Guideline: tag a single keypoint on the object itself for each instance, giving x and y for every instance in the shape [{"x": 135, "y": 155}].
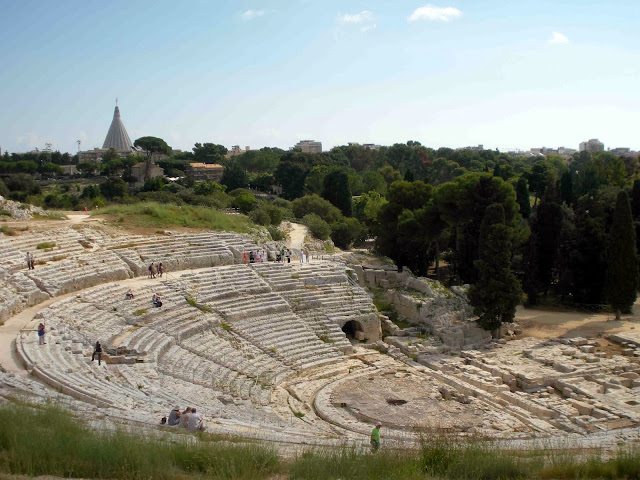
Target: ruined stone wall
[{"x": 444, "y": 312}]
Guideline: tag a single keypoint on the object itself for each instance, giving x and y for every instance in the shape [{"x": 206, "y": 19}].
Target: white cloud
[
  {"x": 364, "y": 16},
  {"x": 368, "y": 28},
  {"x": 251, "y": 14},
  {"x": 557, "y": 38},
  {"x": 434, "y": 13}
]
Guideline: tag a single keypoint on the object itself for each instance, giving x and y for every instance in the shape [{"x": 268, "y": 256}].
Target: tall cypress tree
[
  {"x": 635, "y": 199},
  {"x": 566, "y": 188},
  {"x": 336, "y": 189},
  {"x": 497, "y": 292},
  {"x": 621, "y": 286},
  {"x": 522, "y": 197}
]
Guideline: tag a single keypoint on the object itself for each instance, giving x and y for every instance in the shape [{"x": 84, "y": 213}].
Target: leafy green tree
[
  {"x": 4, "y": 191},
  {"x": 336, "y": 190},
  {"x": 317, "y": 226},
  {"x": 291, "y": 176},
  {"x": 22, "y": 182},
  {"x": 367, "y": 207},
  {"x": 245, "y": 201},
  {"x": 408, "y": 176},
  {"x": 522, "y": 197},
  {"x": 317, "y": 205},
  {"x": 462, "y": 204},
  {"x": 373, "y": 182},
  {"x": 208, "y": 188},
  {"x": 402, "y": 233},
  {"x": 152, "y": 146},
  {"x": 622, "y": 272},
  {"x": 497, "y": 293},
  {"x": 234, "y": 176},
  {"x": 346, "y": 232},
  {"x": 209, "y": 152},
  {"x": 50, "y": 169},
  {"x": 390, "y": 174},
  {"x": 114, "y": 187}
]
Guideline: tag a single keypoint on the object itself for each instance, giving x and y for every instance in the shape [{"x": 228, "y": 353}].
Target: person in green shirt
[{"x": 375, "y": 437}]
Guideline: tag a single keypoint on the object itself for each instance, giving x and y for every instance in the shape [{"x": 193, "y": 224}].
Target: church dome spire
[{"x": 117, "y": 136}]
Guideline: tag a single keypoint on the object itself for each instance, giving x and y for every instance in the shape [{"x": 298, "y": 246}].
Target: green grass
[
  {"x": 45, "y": 245},
  {"x": 203, "y": 308},
  {"x": 5, "y": 213},
  {"x": 50, "y": 216},
  {"x": 49, "y": 442},
  {"x": 142, "y": 311},
  {"x": 154, "y": 215}
]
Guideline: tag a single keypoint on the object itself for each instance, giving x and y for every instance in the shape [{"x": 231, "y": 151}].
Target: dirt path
[
  {"x": 296, "y": 235},
  {"x": 552, "y": 324}
]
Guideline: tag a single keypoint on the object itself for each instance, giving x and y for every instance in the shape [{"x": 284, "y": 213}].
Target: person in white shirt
[{"x": 195, "y": 421}]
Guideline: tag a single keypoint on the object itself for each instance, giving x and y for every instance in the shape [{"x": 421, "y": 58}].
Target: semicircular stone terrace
[{"x": 259, "y": 349}]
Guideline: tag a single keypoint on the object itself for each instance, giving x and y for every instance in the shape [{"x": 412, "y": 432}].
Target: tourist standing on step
[
  {"x": 288, "y": 256},
  {"x": 28, "y": 261},
  {"x": 306, "y": 254},
  {"x": 97, "y": 352},
  {"x": 150, "y": 270},
  {"x": 375, "y": 437},
  {"x": 160, "y": 269},
  {"x": 41, "y": 332}
]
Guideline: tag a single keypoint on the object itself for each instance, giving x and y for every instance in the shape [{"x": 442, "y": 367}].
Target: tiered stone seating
[
  {"x": 17, "y": 292},
  {"x": 14, "y": 249},
  {"x": 287, "y": 337},
  {"x": 81, "y": 272},
  {"x": 73, "y": 373},
  {"x": 223, "y": 282},
  {"x": 180, "y": 253},
  {"x": 85, "y": 322}
]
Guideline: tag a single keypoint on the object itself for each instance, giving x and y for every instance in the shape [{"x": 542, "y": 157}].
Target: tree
[
  {"x": 291, "y": 174},
  {"x": 114, "y": 187},
  {"x": 209, "y": 152},
  {"x": 152, "y": 146},
  {"x": 234, "y": 176},
  {"x": 497, "y": 293},
  {"x": 566, "y": 188},
  {"x": 635, "y": 199},
  {"x": 317, "y": 205},
  {"x": 4, "y": 191},
  {"x": 546, "y": 227},
  {"x": 317, "y": 226},
  {"x": 336, "y": 190},
  {"x": 347, "y": 231},
  {"x": 522, "y": 197},
  {"x": 622, "y": 271}
]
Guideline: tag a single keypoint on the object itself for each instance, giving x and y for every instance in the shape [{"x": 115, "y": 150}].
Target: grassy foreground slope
[
  {"x": 49, "y": 441},
  {"x": 156, "y": 215}
]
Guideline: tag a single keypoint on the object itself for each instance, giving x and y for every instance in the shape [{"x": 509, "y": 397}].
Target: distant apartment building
[
  {"x": 592, "y": 146},
  {"x": 366, "y": 146},
  {"x": 566, "y": 152},
  {"x": 204, "y": 172},
  {"x": 236, "y": 150},
  {"x": 309, "y": 146}
]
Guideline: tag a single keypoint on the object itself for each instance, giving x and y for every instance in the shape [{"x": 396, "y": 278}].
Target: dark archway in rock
[{"x": 351, "y": 328}]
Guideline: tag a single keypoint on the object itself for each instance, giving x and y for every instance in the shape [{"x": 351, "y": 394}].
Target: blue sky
[{"x": 506, "y": 74}]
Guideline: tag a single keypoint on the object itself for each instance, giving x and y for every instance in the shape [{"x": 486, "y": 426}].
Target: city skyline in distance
[{"x": 450, "y": 74}]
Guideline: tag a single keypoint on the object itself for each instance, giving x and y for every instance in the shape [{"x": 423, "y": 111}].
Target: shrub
[
  {"x": 45, "y": 245},
  {"x": 260, "y": 216},
  {"x": 346, "y": 232},
  {"x": 276, "y": 234},
  {"x": 317, "y": 205},
  {"x": 245, "y": 202},
  {"x": 317, "y": 227}
]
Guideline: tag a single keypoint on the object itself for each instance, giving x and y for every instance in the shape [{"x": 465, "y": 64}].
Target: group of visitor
[
  {"x": 155, "y": 270},
  {"x": 189, "y": 419},
  {"x": 259, "y": 256}
]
